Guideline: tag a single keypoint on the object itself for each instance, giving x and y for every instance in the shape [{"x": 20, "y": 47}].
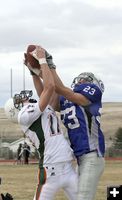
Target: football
[{"x": 32, "y": 61}]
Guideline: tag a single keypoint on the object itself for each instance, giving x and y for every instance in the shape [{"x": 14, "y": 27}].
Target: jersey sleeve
[
  {"x": 90, "y": 91},
  {"x": 28, "y": 115}
]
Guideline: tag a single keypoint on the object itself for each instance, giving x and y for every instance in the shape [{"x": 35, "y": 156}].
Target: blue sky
[{"x": 82, "y": 35}]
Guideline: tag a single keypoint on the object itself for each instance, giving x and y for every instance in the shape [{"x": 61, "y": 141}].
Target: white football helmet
[
  {"x": 10, "y": 111},
  {"x": 14, "y": 105},
  {"x": 90, "y": 78}
]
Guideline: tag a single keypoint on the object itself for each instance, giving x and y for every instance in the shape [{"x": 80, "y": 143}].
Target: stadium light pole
[
  {"x": 23, "y": 77},
  {"x": 11, "y": 81}
]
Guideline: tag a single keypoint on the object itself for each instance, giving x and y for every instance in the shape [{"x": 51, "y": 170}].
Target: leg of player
[
  {"x": 47, "y": 186},
  {"x": 90, "y": 169},
  {"x": 48, "y": 190},
  {"x": 71, "y": 185}
]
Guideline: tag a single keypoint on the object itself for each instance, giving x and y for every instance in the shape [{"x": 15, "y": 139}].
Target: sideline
[{"x": 34, "y": 161}]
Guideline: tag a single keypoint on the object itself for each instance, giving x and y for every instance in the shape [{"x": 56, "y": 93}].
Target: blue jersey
[{"x": 83, "y": 122}]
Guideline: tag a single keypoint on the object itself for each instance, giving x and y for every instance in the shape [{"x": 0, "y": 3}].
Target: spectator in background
[
  {"x": 19, "y": 154},
  {"x": 26, "y": 153}
]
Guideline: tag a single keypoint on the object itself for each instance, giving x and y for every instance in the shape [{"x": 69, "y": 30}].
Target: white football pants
[
  {"x": 57, "y": 176},
  {"x": 90, "y": 169}
]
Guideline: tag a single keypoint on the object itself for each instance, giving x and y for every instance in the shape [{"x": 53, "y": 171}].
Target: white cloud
[
  {"x": 82, "y": 35},
  {"x": 105, "y": 3}
]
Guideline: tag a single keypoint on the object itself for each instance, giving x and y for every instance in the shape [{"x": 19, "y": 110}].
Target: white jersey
[{"x": 44, "y": 131}]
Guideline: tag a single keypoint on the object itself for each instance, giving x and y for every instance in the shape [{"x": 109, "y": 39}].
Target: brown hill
[
  {"x": 111, "y": 120},
  {"x": 8, "y": 131}
]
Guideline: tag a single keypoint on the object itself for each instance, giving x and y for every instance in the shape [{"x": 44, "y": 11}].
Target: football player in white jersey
[
  {"x": 80, "y": 113},
  {"x": 41, "y": 125}
]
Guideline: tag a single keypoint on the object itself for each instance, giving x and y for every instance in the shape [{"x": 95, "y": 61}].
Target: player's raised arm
[
  {"x": 61, "y": 89},
  {"x": 46, "y": 89},
  {"x": 38, "y": 84},
  {"x": 67, "y": 92}
]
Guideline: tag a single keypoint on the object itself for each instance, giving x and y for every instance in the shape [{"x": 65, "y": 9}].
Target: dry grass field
[
  {"x": 111, "y": 120},
  {"x": 20, "y": 180}
]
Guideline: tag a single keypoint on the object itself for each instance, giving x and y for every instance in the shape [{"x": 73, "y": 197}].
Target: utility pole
[{"x": 11, "y": 82}]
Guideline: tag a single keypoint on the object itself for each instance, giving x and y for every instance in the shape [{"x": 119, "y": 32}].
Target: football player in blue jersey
[{"x": 80, "y": 113}]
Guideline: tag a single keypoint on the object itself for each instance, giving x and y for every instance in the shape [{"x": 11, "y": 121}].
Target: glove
[
  {"x": 49, "y": 60},
  {"x": 7, "y": 196}
]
